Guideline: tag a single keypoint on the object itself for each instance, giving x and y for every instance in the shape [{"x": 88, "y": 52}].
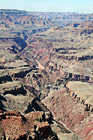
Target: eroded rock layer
[{"x": 71, "y": 109}]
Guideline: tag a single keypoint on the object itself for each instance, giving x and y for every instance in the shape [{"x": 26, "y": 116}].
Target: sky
[{"x": 80, "y": 6}]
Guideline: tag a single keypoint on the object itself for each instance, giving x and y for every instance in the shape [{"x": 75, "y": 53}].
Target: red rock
[
  {"x": 90, "y": 137},
  {"x": 15, "y": 126}
]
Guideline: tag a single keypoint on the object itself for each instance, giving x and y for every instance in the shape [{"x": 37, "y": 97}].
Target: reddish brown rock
[{"x": 15, "y": 126}]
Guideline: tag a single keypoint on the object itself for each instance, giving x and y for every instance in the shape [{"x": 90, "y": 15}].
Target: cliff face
[{"x": 14, "y": 44}]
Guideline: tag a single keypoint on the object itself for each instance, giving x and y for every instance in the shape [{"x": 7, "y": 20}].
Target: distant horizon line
[{"x": 45, "y": 11}]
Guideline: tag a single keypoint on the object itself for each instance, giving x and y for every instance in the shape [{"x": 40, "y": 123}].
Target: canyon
[{"x": 46, "y": 75}]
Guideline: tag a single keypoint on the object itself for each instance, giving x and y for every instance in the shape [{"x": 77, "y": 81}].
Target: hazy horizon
[{"x": 80, "y": 6}]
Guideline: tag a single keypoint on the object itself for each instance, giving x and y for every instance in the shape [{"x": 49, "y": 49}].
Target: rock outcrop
[
  {"x": 4, "y": 76},
  {"x": 13, "y": 125},
  {"x": 14, "y": 88},
  {"x": 81, "y": 92}
]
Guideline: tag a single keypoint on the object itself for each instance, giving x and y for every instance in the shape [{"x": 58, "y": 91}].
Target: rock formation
[{"x": 13, "y": 125}]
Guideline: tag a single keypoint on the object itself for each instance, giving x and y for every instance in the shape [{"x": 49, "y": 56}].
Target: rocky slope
[{"x": 72, "y": 111}]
